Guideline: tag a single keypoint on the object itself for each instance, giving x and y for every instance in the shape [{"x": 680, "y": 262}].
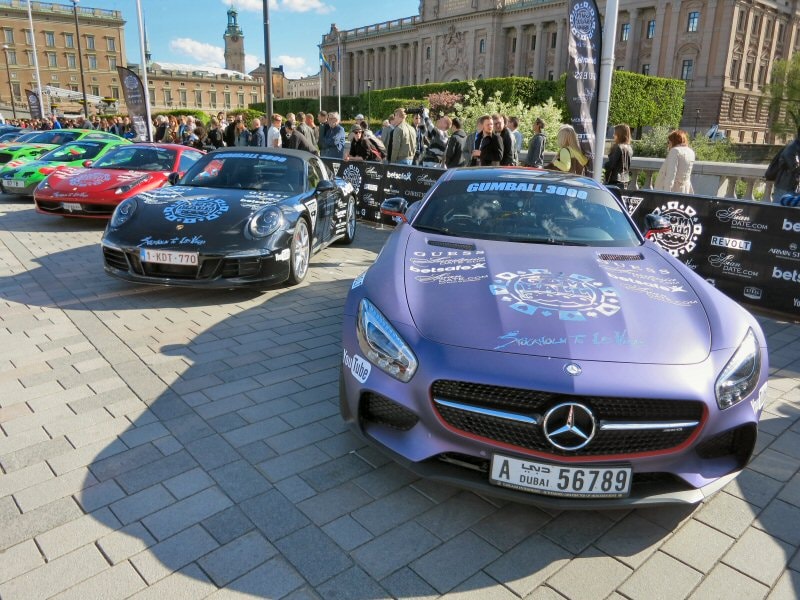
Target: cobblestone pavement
[{"x": 167, "y": 443}]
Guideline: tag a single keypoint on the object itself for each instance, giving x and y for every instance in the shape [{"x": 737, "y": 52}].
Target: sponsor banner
[
  {"x": 33, "y": 104},
  {"x": 375, "y": 182},
  {"x": 748, "y": 250},
  {"x": 133, "y": 92},
  {"x": 583, "y": 73}
]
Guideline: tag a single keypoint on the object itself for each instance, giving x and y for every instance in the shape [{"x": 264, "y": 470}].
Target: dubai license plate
[
  {"x": 71, "y": 206},
  {"x": 15, "y": 183},
  {"x": 168, "y": 257},
  {"x": 578, "y": 481}
]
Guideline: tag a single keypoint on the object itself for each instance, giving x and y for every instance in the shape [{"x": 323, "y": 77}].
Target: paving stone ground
[{"x": 169, "y": 443}]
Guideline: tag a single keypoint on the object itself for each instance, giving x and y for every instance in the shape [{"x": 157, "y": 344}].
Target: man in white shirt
[{"x": 274, "y": 132}]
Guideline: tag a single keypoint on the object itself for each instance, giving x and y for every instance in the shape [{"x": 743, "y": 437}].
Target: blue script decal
[{"x": 618, "y": 338}]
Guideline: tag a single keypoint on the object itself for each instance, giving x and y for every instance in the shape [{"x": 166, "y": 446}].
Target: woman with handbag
[
  {"x": 618, "y": 165},
  {"x": 570, "y": 158}
]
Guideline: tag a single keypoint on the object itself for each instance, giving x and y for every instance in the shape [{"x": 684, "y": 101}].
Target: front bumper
[
  {"x": 220, "y": 270},
  {"x": 426, "y": 444},
  {"x": 68, "y": 207},
  {"x": 25, "y": 190}
]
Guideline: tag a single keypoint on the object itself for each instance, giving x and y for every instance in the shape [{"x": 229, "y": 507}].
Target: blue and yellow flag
[{"x": 324, "y": 62}]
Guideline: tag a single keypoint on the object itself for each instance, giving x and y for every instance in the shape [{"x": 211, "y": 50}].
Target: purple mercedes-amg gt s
[{"x": 519, "y": 336}]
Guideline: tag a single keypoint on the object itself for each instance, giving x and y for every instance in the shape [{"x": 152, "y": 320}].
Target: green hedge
[
  {"x": 642, "y": 100},
  {"x": 351, "y": 105},
  {"x": 199, "y": 115}
]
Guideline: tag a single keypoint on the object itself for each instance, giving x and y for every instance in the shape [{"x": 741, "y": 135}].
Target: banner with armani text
[
  {"x": 583, "y": 73},
  {"x": 33, "y": 104},
  {"x": 133, "y": 92},
  {"x": 748, "y": 250}
]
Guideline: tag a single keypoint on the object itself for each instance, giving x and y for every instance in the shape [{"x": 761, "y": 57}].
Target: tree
[{"x": 784, "y": 96}]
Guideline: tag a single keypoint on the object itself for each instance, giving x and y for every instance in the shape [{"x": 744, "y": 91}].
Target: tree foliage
[
  {"x": 654, "y": 144},
  {"x": 784, "y": 96}
]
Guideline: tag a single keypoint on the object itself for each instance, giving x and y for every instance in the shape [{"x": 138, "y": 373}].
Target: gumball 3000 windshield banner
[{"x": 583, "y": 74}]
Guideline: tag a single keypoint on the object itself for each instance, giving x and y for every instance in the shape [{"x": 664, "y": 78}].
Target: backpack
[{"x": 774, "y": 168}]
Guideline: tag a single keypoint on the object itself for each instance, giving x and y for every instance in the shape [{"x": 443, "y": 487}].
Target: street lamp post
[
  {"x": 369, "y": 103},
  {"x": 696, "y": 119},
  {"x": 80, "y": 58},
  {"x": 10, "y": 87}
]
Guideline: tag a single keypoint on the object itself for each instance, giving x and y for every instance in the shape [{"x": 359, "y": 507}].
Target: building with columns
[{"x": 723, "y": 49}]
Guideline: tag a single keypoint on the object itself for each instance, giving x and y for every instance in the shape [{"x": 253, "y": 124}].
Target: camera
[{"x": 418, "y": 110}]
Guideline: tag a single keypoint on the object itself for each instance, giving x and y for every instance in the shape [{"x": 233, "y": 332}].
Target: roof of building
[{"x": 168, "y": 66}]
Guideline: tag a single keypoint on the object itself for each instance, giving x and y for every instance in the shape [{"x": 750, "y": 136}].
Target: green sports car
[
  {"x": 23, "y": 179},
  {"x": 33, "y": 145}
]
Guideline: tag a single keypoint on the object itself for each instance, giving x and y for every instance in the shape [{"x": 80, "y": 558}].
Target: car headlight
[
  {"x": 382, "y": 345},
  {"x": 740, "y": 376},
  {"x": 265, "y": 222},
  {"x": 123, "y": 212},
  {"x": 127, "y": 187}
]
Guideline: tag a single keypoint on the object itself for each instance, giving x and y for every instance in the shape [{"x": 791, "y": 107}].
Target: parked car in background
[{"x": 125, "y": 171}]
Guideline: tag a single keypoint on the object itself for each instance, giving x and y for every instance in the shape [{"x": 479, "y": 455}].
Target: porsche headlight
[
  {"x": 740, "y": 376},
  {"x": 127, "y": 187},
  {"x": 382, "y": 345},
  {"x": 123, "y": 212},
  {"x": 265, "y": 222}
]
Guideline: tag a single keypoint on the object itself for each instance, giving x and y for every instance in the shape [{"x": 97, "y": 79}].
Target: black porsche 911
[{"x": 238, "y": 217}]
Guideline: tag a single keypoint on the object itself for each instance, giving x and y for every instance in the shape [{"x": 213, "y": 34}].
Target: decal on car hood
[{"x": 567, "y": 302}]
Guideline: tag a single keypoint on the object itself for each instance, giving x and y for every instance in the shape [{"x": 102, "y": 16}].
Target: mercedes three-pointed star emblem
[{"x": 569, "y": 426}]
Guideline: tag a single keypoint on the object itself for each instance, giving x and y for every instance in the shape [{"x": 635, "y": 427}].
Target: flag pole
[
  {"x": 604, "y": 95},
  {"x": 35, "y": 63},
  {"x": 339, "y": 70},
  {"x": 143, "y": 72},
  {"x": 320, "y": 78}
]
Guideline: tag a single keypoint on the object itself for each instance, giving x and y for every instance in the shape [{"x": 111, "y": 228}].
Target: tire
[
  {"x": 350, "y": 230},
  {"x": 300, "y": 252}
]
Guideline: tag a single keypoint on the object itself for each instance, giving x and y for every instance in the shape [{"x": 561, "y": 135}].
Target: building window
[
  {"x": 482, "y": 47},
  {"x": 213, "y": 96},
  {"x": 49, "y": 39},
  {"x": 8, "y": 36},
  {"x": 553, "y": 39},
  {"x": 550, "y": 76},
  {"x": 95, "y": 90},
  {"x": 253, "y": 98},
  {"x": 241, "y": 99},
  {"x": 112, "y": 63},
  {"x": 92, "y": 61},
  {"x": 182, "y": 96},
  {"x": 427, "y": 52},
  {"x": 651, "y": 29},
  {"x": 69, "y": 40},
  {"x": 227, "y": 96},
  {"x": 533, "y": 42},
  {"x": 152, "y": 95},
  {"x": 51, "y": 59},
  {"x": 646, "y": 69},
  {"x": 740, "y": 21},
  {"x": 694, "y": 21},
  {"x": 16, "y": 90},
  {"x": 111, "y": 44},
  {"x": 762, "y": 74},
  {"x": 756, "y": 24},
  {"x": 625, "y": 32},
  {"x": 198, "y": 98},
  {"x": 734, "y": 70},
  {"x": 168, "y": 97},
  {"x": 90, "y": 42},
  {"x": 28, "y": 37},
  {"x": 748, "y": 72},
  {"x": 71, "y": 61},
  {"x": 12, "y": 56},
  {"x": 686, "y": 69},
  {"x": 780, "y": 32},
  {"x": 29, "y": 56},
  {"x": 115, "y": 92}
]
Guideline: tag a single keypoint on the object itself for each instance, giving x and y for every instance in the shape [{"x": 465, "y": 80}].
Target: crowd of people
[{"x": 407, "y": 137}]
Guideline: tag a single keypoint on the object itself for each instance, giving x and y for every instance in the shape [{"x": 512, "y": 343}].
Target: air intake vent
[
  {"x": 453, "y": 245},
  {"x": 620, "y": 257}
]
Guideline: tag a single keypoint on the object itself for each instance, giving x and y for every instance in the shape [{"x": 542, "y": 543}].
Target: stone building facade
[
  {"x": 305, "y": 87},
  {"x": 102, "y": 46},
  {"x": 723, "y": 49}
]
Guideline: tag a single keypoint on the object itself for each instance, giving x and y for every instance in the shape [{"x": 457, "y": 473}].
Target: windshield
[
  {"x": 247, "y": 170},
  {"x": 138, "y": 158},
  {"x": 527, "y": 211},
  {"x": 9, "y": 137},
  {"x": 54, "y": 136},
  {"x": 72, "y": 152}
]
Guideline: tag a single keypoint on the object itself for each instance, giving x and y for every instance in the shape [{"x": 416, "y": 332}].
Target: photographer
[{"x": 433, "y": 154}]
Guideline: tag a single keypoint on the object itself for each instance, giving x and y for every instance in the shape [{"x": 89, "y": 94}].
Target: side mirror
[
  {"x": 326, "y": 185},
  {"x": 173, "y": 177},
  {"x": 656, "y": 224},
  {"x": 395, "y": 208},
  {"x": 87, "y": 163}
]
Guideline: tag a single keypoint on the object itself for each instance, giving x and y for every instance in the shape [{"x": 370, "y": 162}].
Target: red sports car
[{"x": 123, "y": 172}]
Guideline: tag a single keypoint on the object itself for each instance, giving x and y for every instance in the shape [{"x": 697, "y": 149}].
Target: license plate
[
  {"x": 578, "y": 481},
  {"x": 71, "y": 206},
  {"x": 168, "y": 257},
  {"x": 15, "y": 183}
]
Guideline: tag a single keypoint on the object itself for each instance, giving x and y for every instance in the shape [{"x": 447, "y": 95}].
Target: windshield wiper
[
  {"x": 546, "y": 241},
  {"x": 434, "y": 230}
]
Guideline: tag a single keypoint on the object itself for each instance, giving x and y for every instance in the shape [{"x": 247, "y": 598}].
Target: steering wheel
[{"x": 460, "y": 218}]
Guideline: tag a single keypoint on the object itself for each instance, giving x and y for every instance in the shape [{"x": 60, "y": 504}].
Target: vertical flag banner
[
  {"x": 324, "y": 62},
  {"x": 133, "y": 91},
  {"x": 34, "y": 106},
  {"x": 583, "y": 74}
]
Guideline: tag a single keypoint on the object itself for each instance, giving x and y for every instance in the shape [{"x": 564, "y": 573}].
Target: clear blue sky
[{"x": 184, "y": 31}]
